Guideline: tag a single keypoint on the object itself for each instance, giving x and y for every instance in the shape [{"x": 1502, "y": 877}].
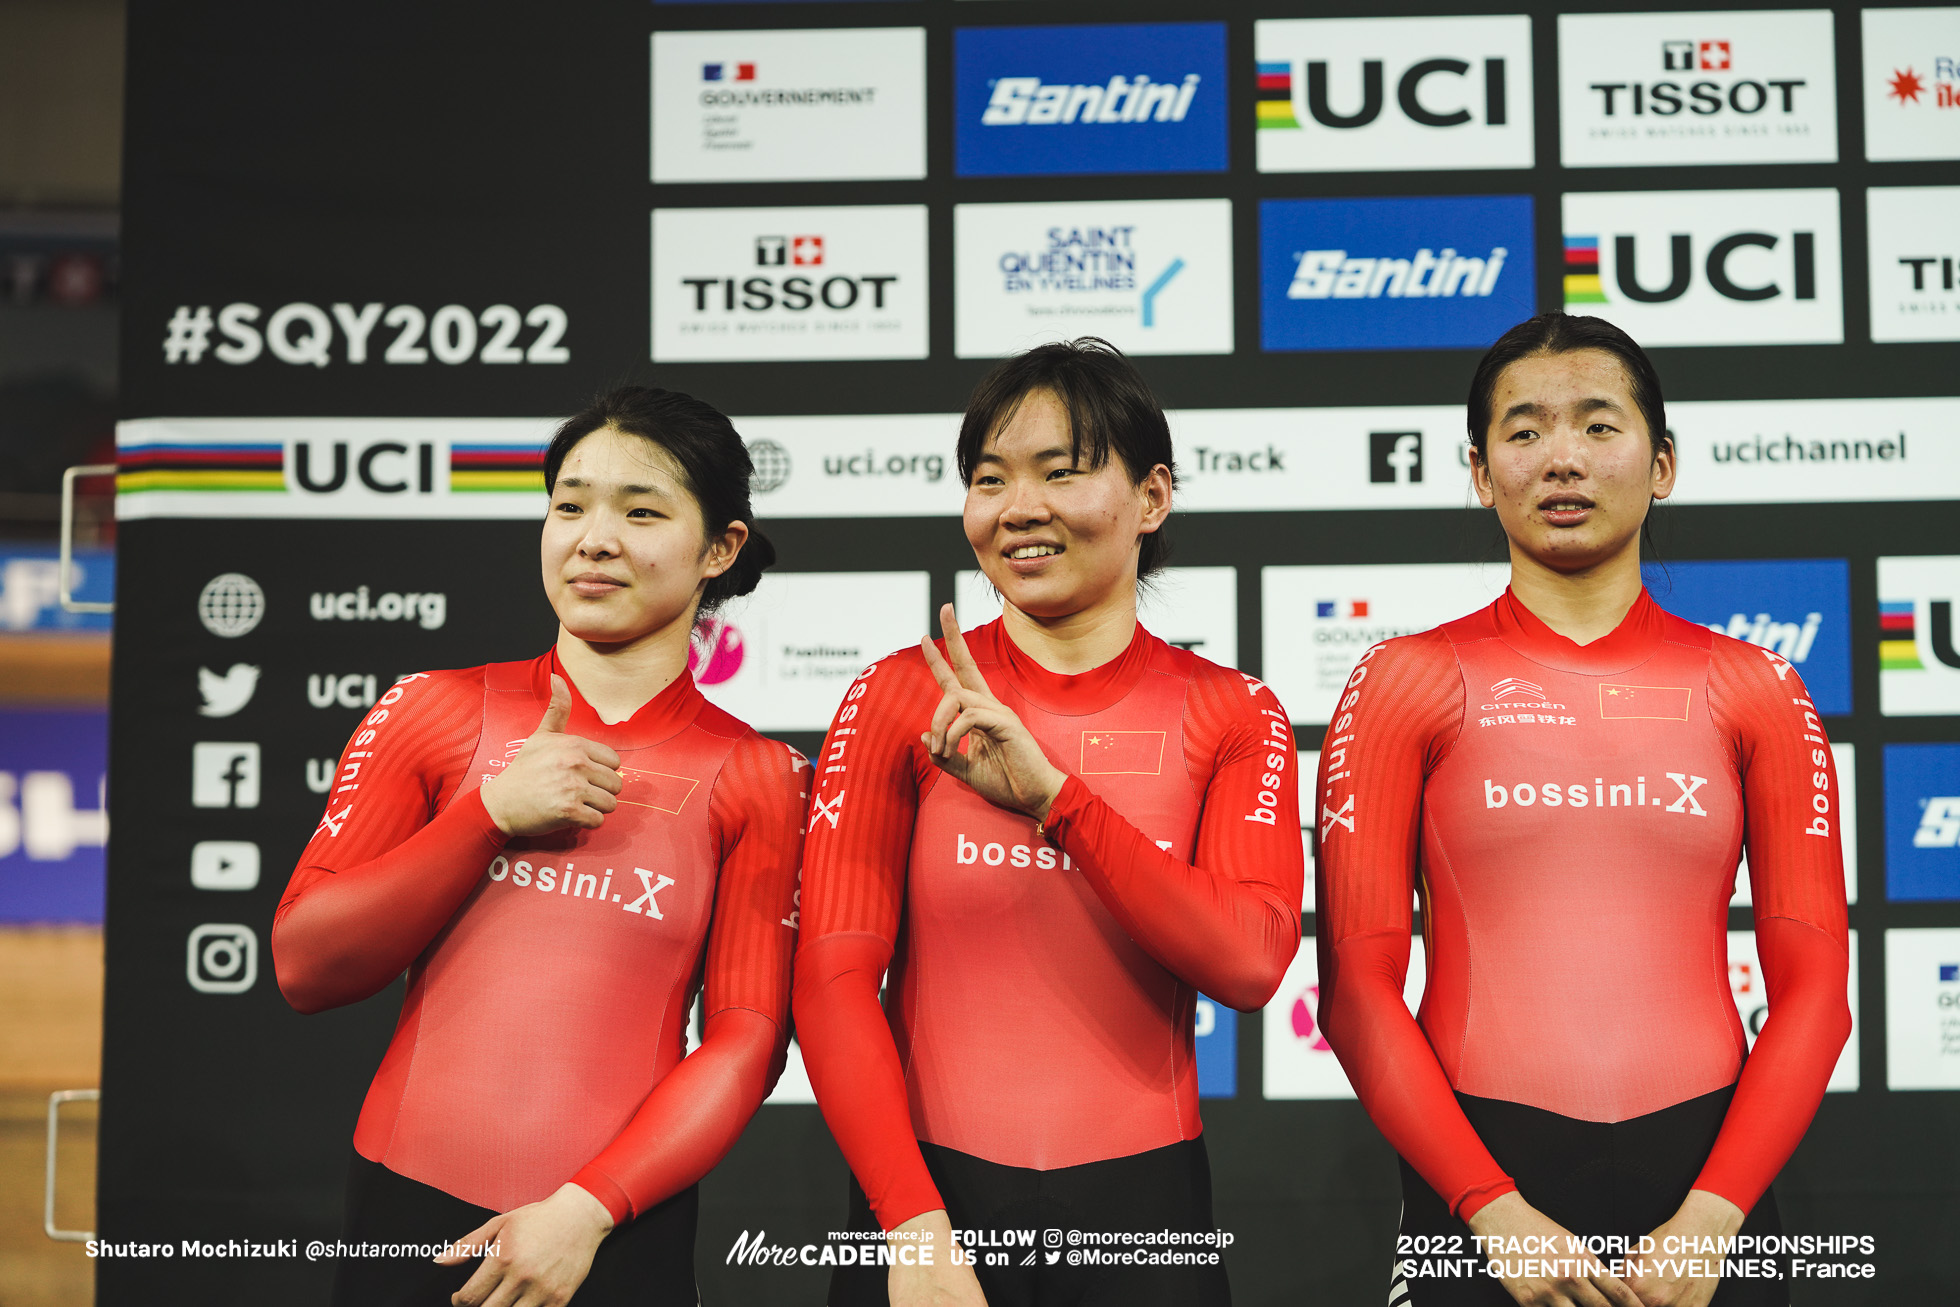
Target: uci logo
[
  {"x": 1792, "y": 259},
  {"x": 384, "y": 467}
]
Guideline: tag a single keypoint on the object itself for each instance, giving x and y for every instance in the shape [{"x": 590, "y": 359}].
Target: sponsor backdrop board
[
  {"x": 1697, "y": 88},
  {"x": 1912, "y": 82},
  {"x": 1391, "y": 94},
  {"x": 1150, "y": 277},
  {"x": 352, "y": 322}
]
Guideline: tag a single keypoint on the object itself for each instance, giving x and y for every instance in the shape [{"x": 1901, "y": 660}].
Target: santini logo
[
  {"x": 1323, "y": 274},
  {"x": 1029, "y": 101}
]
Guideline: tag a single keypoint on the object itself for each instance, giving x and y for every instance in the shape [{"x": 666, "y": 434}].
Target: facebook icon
[
  {"x": 1395, "y": 456},
  {"x": 224, "y": 775}
]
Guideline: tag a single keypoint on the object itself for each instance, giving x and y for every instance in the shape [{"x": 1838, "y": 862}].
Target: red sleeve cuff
[
  {"x": 1475, "y": 1199},
  {"x": 601, "y": 1186},
  {"x": 1070, "y": 802}
]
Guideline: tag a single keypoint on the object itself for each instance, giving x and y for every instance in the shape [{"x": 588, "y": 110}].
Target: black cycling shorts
[
  {"x": 1593, "y": 1178},
  {"x": 1163, "y": 1189},
  {"x": 648, "y": 1262}
]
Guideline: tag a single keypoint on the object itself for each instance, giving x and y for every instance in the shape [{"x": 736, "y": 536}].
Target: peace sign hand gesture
[{"x": 1003, "y": 762}]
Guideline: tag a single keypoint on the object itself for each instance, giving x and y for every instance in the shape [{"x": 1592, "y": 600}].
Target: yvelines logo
[
  {"x": 1744, "y": 88},
  {"x": 1707, "y": 267},
  {"x": 1150, "y": 276},
  {"x": 1374, "y": 94},
  {"x": 1912, "y": 83},
  {"x": 1104, "y": 98},
  {"x": 1429, "y": 273},
  {"x": 751, "y": 284},
  {"x": 808, "y": 105}
]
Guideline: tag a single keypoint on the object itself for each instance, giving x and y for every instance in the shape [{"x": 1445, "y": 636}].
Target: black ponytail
[{"x": 714, "y": 464}]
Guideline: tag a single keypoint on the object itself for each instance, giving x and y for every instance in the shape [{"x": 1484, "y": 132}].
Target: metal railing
[
  {"x": 66, "y": 589},
  {"x": 55, "y": 1100}
]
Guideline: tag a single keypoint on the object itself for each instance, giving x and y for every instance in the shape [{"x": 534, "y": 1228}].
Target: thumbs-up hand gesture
[
  {"x": 1003, "y": 762},
  {"x": 556, "y": 780}
]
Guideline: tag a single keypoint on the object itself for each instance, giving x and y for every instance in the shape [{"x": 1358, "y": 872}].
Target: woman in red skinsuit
[
  {"x": 1053, "y": 834},
  {"x": 1566, "y": 779},
  {"x": 560, "y": 851}
]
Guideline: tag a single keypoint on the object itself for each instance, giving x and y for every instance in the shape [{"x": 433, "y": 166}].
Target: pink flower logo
[{"x": 715, "y": 653}]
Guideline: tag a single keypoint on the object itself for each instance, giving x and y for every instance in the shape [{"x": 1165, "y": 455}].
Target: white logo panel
[
  {"x": 1815, "y": 450},
  {"x": 1919, "y": 644},
  {"x": 810, "y": 105},
  {"x": 1298, "y": 1060},
  {"x": 1637, "y": 89},
  {"x": 1278, "y": 459},
  {"x": 1922, "y": 1008},
  {"x": 875, "y": 465},
  {"x": 1846, "y": 758},
  {"x": 780, "y": 284},
  {"x": 1375, "y": 94},
  {"x": 1149, "y": 276},
  {"x": 1320, "y": 620},
  {"x": 1912, "y": 83},
  {"x": 781, "y": 658},
  {"x": 1914, "y": 243},
  {"x": 1751, "y": 994},
  {"x": 1195, "y": 608},
  {"x": 1707, "y": 267}
]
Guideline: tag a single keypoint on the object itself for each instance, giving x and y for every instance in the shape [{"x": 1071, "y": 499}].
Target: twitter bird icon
[{"x": 225, "y": 695}]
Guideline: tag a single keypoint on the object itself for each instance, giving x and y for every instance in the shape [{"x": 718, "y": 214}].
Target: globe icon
[
  {"x": 771, "y": 466},
  {"x": 231, "y": 605}
]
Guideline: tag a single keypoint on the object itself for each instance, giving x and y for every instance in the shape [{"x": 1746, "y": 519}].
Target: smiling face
[
  {"x": 1057, "y": 538},
  {"x": 1568, "y": 463},
  {"x": 622, "y": 549}
]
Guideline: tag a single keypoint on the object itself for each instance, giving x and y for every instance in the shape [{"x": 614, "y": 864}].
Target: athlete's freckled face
[
  {"x": 1568, "y": 463},
  {"x": 622, "y": 546},
  {"x": 1056, "y": 537}
]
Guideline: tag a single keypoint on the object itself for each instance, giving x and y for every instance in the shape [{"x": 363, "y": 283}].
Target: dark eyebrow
[
  {"x": 1057, "y": 451},
  {"x": 1532, "y": 410},
  {"x": 579, "y": 483}
]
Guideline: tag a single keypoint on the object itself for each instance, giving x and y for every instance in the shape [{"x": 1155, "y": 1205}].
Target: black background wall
[{"x": 497, "y": 153}]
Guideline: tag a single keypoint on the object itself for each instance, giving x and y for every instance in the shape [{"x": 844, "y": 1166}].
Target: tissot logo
[
  {"x": 1915, "y": 262},
  {"x": 1395, "y": 456},
  {"x": 1367, "y": 94},
  {"x": 1636, "y": 89},
  {"x": 1108, "y": 98},
  {"x": 1684, "y": 56},
  {"x": 1912, "y": 83},
  {"x": 734, "y": 284},
  {"x": 798, "y": 251},
  {"x": 1396, "y": 273},
  {"x": 1707, "y": 267}
]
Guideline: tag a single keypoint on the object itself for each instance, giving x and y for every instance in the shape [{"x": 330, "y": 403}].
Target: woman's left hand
[
  {"x": 1702, "y": 1215},
  {"x": 543, "y": 1252},
  {"x": 1003, "y": 762}
]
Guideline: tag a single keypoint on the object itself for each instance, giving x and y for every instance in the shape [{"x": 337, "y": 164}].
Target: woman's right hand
[
  {"x": 556, "y": 780},
  {"x": 1509, "y": 1218},
  {"x": 938, "y": 1283}
]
